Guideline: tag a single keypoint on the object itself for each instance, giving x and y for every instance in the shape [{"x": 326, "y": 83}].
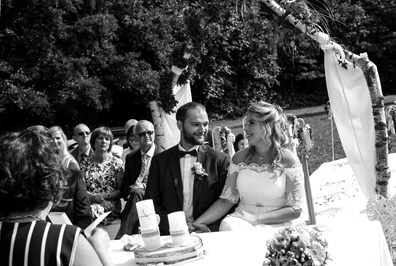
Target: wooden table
[{"x": 350, "y": 244}]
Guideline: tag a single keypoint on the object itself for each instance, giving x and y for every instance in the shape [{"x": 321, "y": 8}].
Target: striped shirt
[{"x": 37, "y": 243}]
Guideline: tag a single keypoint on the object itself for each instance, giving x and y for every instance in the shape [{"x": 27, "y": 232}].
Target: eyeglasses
[
  {"x": 83, "y": 133},
  {"x": 142, "y": 134}
]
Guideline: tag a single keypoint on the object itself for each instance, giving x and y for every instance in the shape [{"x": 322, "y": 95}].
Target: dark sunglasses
[
  {"x": 83, "y": 133},
  {"x": 142, "y": 134}
]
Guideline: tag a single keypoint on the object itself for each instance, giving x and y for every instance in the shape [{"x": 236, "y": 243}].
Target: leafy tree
[{"x": 102, "y": 62}]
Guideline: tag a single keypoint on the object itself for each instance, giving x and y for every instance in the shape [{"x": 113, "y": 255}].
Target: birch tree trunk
[
  {"x": 159, "y": 131},
  {"x": 156, "y": 111},
  {"x": 374, "y": 85}
]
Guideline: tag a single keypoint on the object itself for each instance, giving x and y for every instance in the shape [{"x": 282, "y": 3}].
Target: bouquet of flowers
[{"x": 296, "y": 246}]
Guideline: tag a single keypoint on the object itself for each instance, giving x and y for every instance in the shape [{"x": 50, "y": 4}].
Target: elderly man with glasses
[
  {"x": 134, "y": 182},
  {"x": 82, "y": 135}
]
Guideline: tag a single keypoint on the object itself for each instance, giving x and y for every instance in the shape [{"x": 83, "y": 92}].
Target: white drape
[
  {"x": 171, "y": 132},
  {"x": 351, "y": 106}
]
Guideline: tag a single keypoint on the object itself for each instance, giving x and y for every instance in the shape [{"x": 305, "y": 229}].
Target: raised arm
[{"x": 93, "y": 250}]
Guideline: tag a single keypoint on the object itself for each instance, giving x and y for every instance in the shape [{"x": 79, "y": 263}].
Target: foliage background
[{"x": 100, "y": 62}]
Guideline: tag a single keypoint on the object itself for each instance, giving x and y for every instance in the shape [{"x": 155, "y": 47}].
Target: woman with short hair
[{"x": 103, "y": 174}]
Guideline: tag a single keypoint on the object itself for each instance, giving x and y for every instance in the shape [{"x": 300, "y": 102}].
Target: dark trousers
[{"x": 129, "y": 216}]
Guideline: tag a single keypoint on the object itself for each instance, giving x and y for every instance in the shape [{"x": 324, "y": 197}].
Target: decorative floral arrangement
[
  {"x": 198, "y": 171},
  {"x": 180, "y": 56},
  {"x": 297, "y": 246},
  {"x": 180, "y": 60},
  {"x": 224, "y": 133},
  {"x": 305, "y": 138},
  {"x": 223, "y": 139}
]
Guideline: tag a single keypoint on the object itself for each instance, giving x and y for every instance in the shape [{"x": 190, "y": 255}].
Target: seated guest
[
  {"x": 135, "y": 177},
  {"x": 127, "y": 126},
  {"x": 240, "y": 142},
  {"x": 61, "y": 141},
  {"x": 266, "y": 180},
  {"x": 103, "y": 175},
  {"x": 75, "y": 202},
  {"x": 82, "y": 135},
  {"x": 32, "y": 179},
  {"x": 132, "y": 143}
]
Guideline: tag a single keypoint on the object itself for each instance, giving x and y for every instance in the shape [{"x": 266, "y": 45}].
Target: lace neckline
[
  {"x": 264, "y": 167},
  {"x": 255, "y": 167}
]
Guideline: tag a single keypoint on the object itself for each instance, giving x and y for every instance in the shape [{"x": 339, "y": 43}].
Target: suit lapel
[
  {"x": 176, "y": 172},
  {"x": 202, "y": 157},
  {"x": 138, "y": 165}
]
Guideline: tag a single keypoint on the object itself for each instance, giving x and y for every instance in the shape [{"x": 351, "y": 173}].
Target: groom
[{"x": 172, "y": 184}]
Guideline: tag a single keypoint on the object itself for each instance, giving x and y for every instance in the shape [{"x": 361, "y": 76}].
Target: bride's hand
[
  {"x": 248, "y": 217},
  {"x": 201, "y": 228}
]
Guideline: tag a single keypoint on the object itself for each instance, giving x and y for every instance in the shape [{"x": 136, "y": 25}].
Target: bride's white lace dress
[{"x": 260, "y": 189}]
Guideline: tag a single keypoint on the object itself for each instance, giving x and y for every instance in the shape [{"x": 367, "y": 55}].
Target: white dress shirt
[
  {"x": 186, "y": 164},
  {"x": 150, "y": 154}
]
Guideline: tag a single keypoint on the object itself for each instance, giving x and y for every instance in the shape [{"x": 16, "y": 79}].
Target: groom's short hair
[{"x": 181, "y": 114}]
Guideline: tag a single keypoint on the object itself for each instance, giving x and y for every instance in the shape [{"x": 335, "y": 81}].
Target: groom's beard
[{"x": 193, "y": 139}]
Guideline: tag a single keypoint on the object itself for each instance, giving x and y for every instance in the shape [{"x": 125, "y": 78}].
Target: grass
[
  {"x": 327, "y": 144},
  {"x": 325, "y": 136},
  {"x": 322, "y": 150}
]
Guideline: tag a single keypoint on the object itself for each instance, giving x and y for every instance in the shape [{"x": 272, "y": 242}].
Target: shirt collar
[
  {"x": 86, "y": 152},
  {"x": 192, "y": 148},
  {"x": 150, "y": 152}
]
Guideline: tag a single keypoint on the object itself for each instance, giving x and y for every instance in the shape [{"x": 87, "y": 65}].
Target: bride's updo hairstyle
[{"x": 274, "y": 124}]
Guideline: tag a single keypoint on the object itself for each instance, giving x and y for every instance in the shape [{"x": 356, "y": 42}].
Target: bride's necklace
[
  {"x": 261, "y": 157},
  {"x": 34, "y": 217}
]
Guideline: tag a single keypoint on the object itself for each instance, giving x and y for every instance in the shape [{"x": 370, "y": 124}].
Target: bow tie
[{"x": 183, "y": 153}]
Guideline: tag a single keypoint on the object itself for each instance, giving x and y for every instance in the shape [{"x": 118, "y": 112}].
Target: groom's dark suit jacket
[{"x": 165, "y": 185}]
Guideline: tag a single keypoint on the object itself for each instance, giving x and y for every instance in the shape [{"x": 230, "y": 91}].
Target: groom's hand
[
  {"x": 201, "y": 228},
  {"x": 191, "y": 228}
]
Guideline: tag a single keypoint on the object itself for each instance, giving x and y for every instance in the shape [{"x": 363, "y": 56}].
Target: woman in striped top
[{"x": 32, "y": 179}]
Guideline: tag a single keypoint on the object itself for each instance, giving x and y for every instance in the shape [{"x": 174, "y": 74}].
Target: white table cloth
[{"x": 350, "y": 244}]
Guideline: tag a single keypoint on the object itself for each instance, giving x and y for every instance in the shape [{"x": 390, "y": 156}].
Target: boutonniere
[{"x": 198, "y": 171}]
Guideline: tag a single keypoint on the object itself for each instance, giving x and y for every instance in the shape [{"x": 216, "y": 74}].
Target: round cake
[{"x": 170, "y": 254}]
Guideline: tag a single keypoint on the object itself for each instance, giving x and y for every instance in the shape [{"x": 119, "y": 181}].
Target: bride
[{"x": 265, "y": 179}]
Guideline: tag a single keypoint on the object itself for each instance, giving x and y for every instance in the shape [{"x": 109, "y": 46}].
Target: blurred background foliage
[{"x": 100, "y": 62}]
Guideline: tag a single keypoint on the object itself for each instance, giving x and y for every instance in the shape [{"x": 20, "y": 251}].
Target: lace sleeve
[
  {"x": 295, "y": 187},
  {"x": 230, "y": 191}
]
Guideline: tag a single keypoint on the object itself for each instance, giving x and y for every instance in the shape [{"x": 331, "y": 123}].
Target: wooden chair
[
  {"x": 223, "y": 140},
  {"x": 300, "y": 134}
]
